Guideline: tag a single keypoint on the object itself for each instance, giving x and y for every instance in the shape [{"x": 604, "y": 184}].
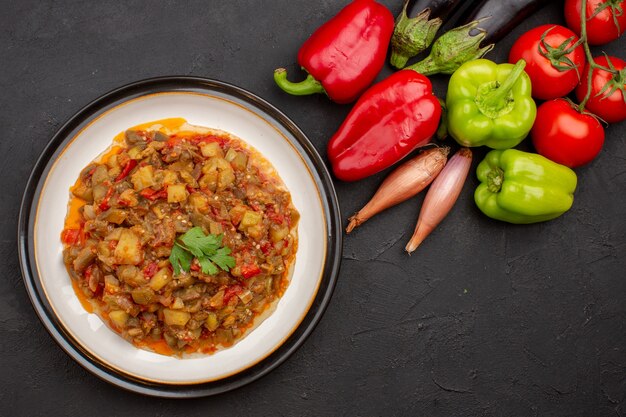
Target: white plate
[{"x": 209, "y": 104}]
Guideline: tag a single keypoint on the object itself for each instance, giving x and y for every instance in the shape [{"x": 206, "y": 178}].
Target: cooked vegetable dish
[{"x": 181, "y": 238}]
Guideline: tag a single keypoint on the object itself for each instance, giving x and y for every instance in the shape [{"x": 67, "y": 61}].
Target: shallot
[
  {"x": 441, "y": 196},
  {"x": 403, "y": 183}
]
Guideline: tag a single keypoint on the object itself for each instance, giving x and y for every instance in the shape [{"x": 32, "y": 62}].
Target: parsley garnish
[{"x": 207, "y": 249}]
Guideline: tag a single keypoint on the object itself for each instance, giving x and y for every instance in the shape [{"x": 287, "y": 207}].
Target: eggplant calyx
[
  {"x": 412, "y": 35},
  {"x": 453, "y": 49}
]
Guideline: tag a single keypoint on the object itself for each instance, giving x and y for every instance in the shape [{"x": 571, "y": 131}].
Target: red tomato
[
  {"x": 564, "y": 135},
  {"x": 610, "y": 105},
  {"x": 548, "y": 81},
  {"x": 602, "y": 27}
]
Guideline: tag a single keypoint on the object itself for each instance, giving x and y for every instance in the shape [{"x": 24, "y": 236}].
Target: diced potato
[
  {"x": 215, "y": 228},
  {"x": 238, "y": 160},
  {"x": 81, "y": 191},
  {"x": 176, "y": 193},
  {"x": 143, "y": 177},
  {"x": 199, "y": 202},
  {"x": 160, "y": 279},
  {"x": 143, "y": 296},
  {"x": 178, "y": 303},
  {"x": 113, "y": 161},
  {"x": 230, "y": 155},
  {"x": 278, "y": 233},
  {"x": 119, "y": 318},
  {"x": 135, "y": 152},
  {"x": 211, "y": 322},
  {"x": 175, "y": 317},
  {"x": 236, "y": 214},
  {"x": 169, "y": 177},
  {"x": 217, "y": 300},
  {"x": 218, "y": 174},
  {"x": 250, "y": 218},
  {"x": 99, "y": 192},
  {"x": 100, "y": 175},
  {"x": 255, "y": 232},
  {"x": 128, "y": 198},
  {"x": 128, "y": 250},
  {"x": 210, "y": 149},
  {"x": 114, "y": 235},
  {"x": 116, "y": 216}
]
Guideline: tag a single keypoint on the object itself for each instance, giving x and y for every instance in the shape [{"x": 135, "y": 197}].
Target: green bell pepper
[
  {"x": 520, "y": 187},
  {"x": 490, "y": 104}
]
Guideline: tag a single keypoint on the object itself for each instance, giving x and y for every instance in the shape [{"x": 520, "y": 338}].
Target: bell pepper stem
[
  {"x": 495, "y": 178},
  {"x": 304, "y": 88},
  {"x": 497, "y": 99}
]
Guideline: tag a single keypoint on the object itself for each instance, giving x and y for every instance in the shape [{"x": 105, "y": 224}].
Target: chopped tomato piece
[
  {"x": 174, "y": 140},
  {"x": 70, "y": 236},
  {"x": 150, "y": 269},
  {"x": 232, "y": 291},
  {"x": 266, "y": 248},
  {"x": 250, "y": 270}
]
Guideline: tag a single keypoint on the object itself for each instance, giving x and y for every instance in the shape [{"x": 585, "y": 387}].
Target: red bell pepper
[
  {"x": 127, "y": 168},
  {"x": 343, "y": 56},
  {"x": 104, "y": 205},
  {"x": 250, "y": 270},
  {"x": 389, "y": 121},
  {"x": 153, "y": 195}
]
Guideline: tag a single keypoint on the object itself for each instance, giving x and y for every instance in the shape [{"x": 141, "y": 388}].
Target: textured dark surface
[{"x": 485, "y": 319}]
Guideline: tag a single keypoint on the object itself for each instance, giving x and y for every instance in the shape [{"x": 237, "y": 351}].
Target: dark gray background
[{"x": 485, "y": 319}]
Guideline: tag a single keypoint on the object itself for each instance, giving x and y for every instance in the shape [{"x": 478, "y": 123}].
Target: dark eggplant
[
  {"x": 441, "y": 9},
  {"x": 499, "y": 17},
  {"x": 414, "y": 35}
]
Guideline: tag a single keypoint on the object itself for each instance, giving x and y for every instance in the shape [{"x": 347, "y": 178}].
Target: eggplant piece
[
  {"x": 499, "y": 17},
  {"x": 441, "y": 9}
]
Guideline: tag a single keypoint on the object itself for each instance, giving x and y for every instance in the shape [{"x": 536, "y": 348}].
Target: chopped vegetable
[
  {"x": 127, "y": 169},
  {"x": 175, "y": 317}
]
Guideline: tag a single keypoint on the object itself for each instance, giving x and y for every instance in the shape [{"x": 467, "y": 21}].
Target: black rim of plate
[{"x": 179, "y": 84}]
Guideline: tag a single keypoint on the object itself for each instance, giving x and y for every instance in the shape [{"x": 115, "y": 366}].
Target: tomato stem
[{"x": 592, "y": 63}]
